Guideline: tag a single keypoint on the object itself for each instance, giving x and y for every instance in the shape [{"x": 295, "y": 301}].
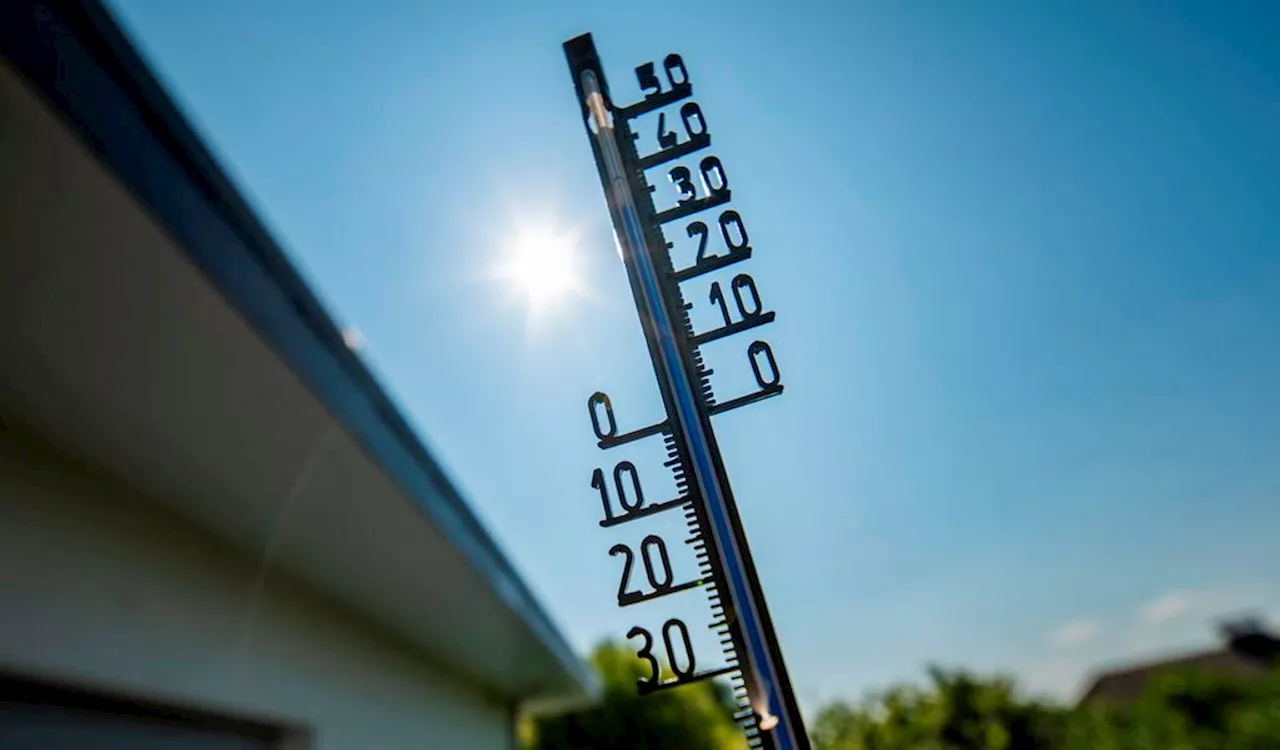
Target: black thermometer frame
[{"x": 784, "y": 728}]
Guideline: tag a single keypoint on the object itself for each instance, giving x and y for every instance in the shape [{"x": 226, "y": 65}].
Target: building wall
[{"x": 97, "y": 585}]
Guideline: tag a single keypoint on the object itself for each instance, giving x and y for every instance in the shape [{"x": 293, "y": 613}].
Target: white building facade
[{"x": 216, "y": 531}]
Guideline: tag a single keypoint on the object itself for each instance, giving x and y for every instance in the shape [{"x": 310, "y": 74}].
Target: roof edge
[{"x": 80, "y": 60}]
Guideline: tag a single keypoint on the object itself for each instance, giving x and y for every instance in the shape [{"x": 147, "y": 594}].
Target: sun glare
[{"x": 542, "y": 264}]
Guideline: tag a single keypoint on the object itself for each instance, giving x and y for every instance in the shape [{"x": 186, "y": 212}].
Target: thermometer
[{"x": 752, "y": 660}]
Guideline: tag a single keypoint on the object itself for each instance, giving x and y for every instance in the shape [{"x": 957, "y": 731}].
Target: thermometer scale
[{"x": 753, "y": 662}]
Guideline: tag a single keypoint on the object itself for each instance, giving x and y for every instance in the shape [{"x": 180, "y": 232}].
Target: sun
[{"x": 542, "y": 263}]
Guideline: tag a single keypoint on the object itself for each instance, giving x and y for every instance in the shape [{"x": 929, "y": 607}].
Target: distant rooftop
[{"x": 1249, "y": 650}]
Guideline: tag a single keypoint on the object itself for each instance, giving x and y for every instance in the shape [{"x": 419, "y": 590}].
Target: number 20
[
  {"x": 731, "y": 228},
  {"x": 659, "y": 574}
]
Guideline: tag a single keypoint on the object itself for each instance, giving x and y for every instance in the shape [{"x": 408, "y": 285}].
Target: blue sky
[{"x": 1024, "y": 258}]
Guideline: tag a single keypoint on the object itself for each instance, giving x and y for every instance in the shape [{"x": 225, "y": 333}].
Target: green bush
[
  {"x": 693, "y": 717},
  {"x": 959, "y": 711},
  {"x": 954, "y": 710}
]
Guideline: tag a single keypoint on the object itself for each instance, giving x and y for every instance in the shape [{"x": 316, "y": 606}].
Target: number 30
[{"x": 646, "y": 651}]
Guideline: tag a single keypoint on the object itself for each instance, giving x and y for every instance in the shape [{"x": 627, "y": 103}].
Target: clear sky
[{"x": 1025, "y": 259}]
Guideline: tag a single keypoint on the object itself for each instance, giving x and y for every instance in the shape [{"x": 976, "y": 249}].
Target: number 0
[
  {"x": 730, "y": 225},
  {"x": 754, "y": 352},
  {"x": 599, "y": 399},
  {"x": 683, "y": 630},
  {"x": 713, "y": 177}
]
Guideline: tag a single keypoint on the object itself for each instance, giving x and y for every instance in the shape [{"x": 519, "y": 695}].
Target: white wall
[{"x": 95, "y": 584}]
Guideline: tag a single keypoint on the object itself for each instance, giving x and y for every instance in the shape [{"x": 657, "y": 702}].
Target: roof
[
  {"x": 157, "y": 330},
  {"x": 1126, "y": 685}
]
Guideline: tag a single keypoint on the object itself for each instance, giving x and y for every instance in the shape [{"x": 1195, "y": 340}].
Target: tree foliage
[
  {"x": 1187, "y": 711},
  {"x": 953, "y": 710},
  {"x": 959, "y": 711},
  {"x": 956, "y": 710},
  {"x": 694, "y": 717}
]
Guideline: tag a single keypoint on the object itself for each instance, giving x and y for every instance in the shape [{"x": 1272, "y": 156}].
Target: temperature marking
[{"x": 768, "y": 715}]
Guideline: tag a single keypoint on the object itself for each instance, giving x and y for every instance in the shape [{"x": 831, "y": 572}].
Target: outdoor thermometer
[{"x": 688, "y": 196}]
